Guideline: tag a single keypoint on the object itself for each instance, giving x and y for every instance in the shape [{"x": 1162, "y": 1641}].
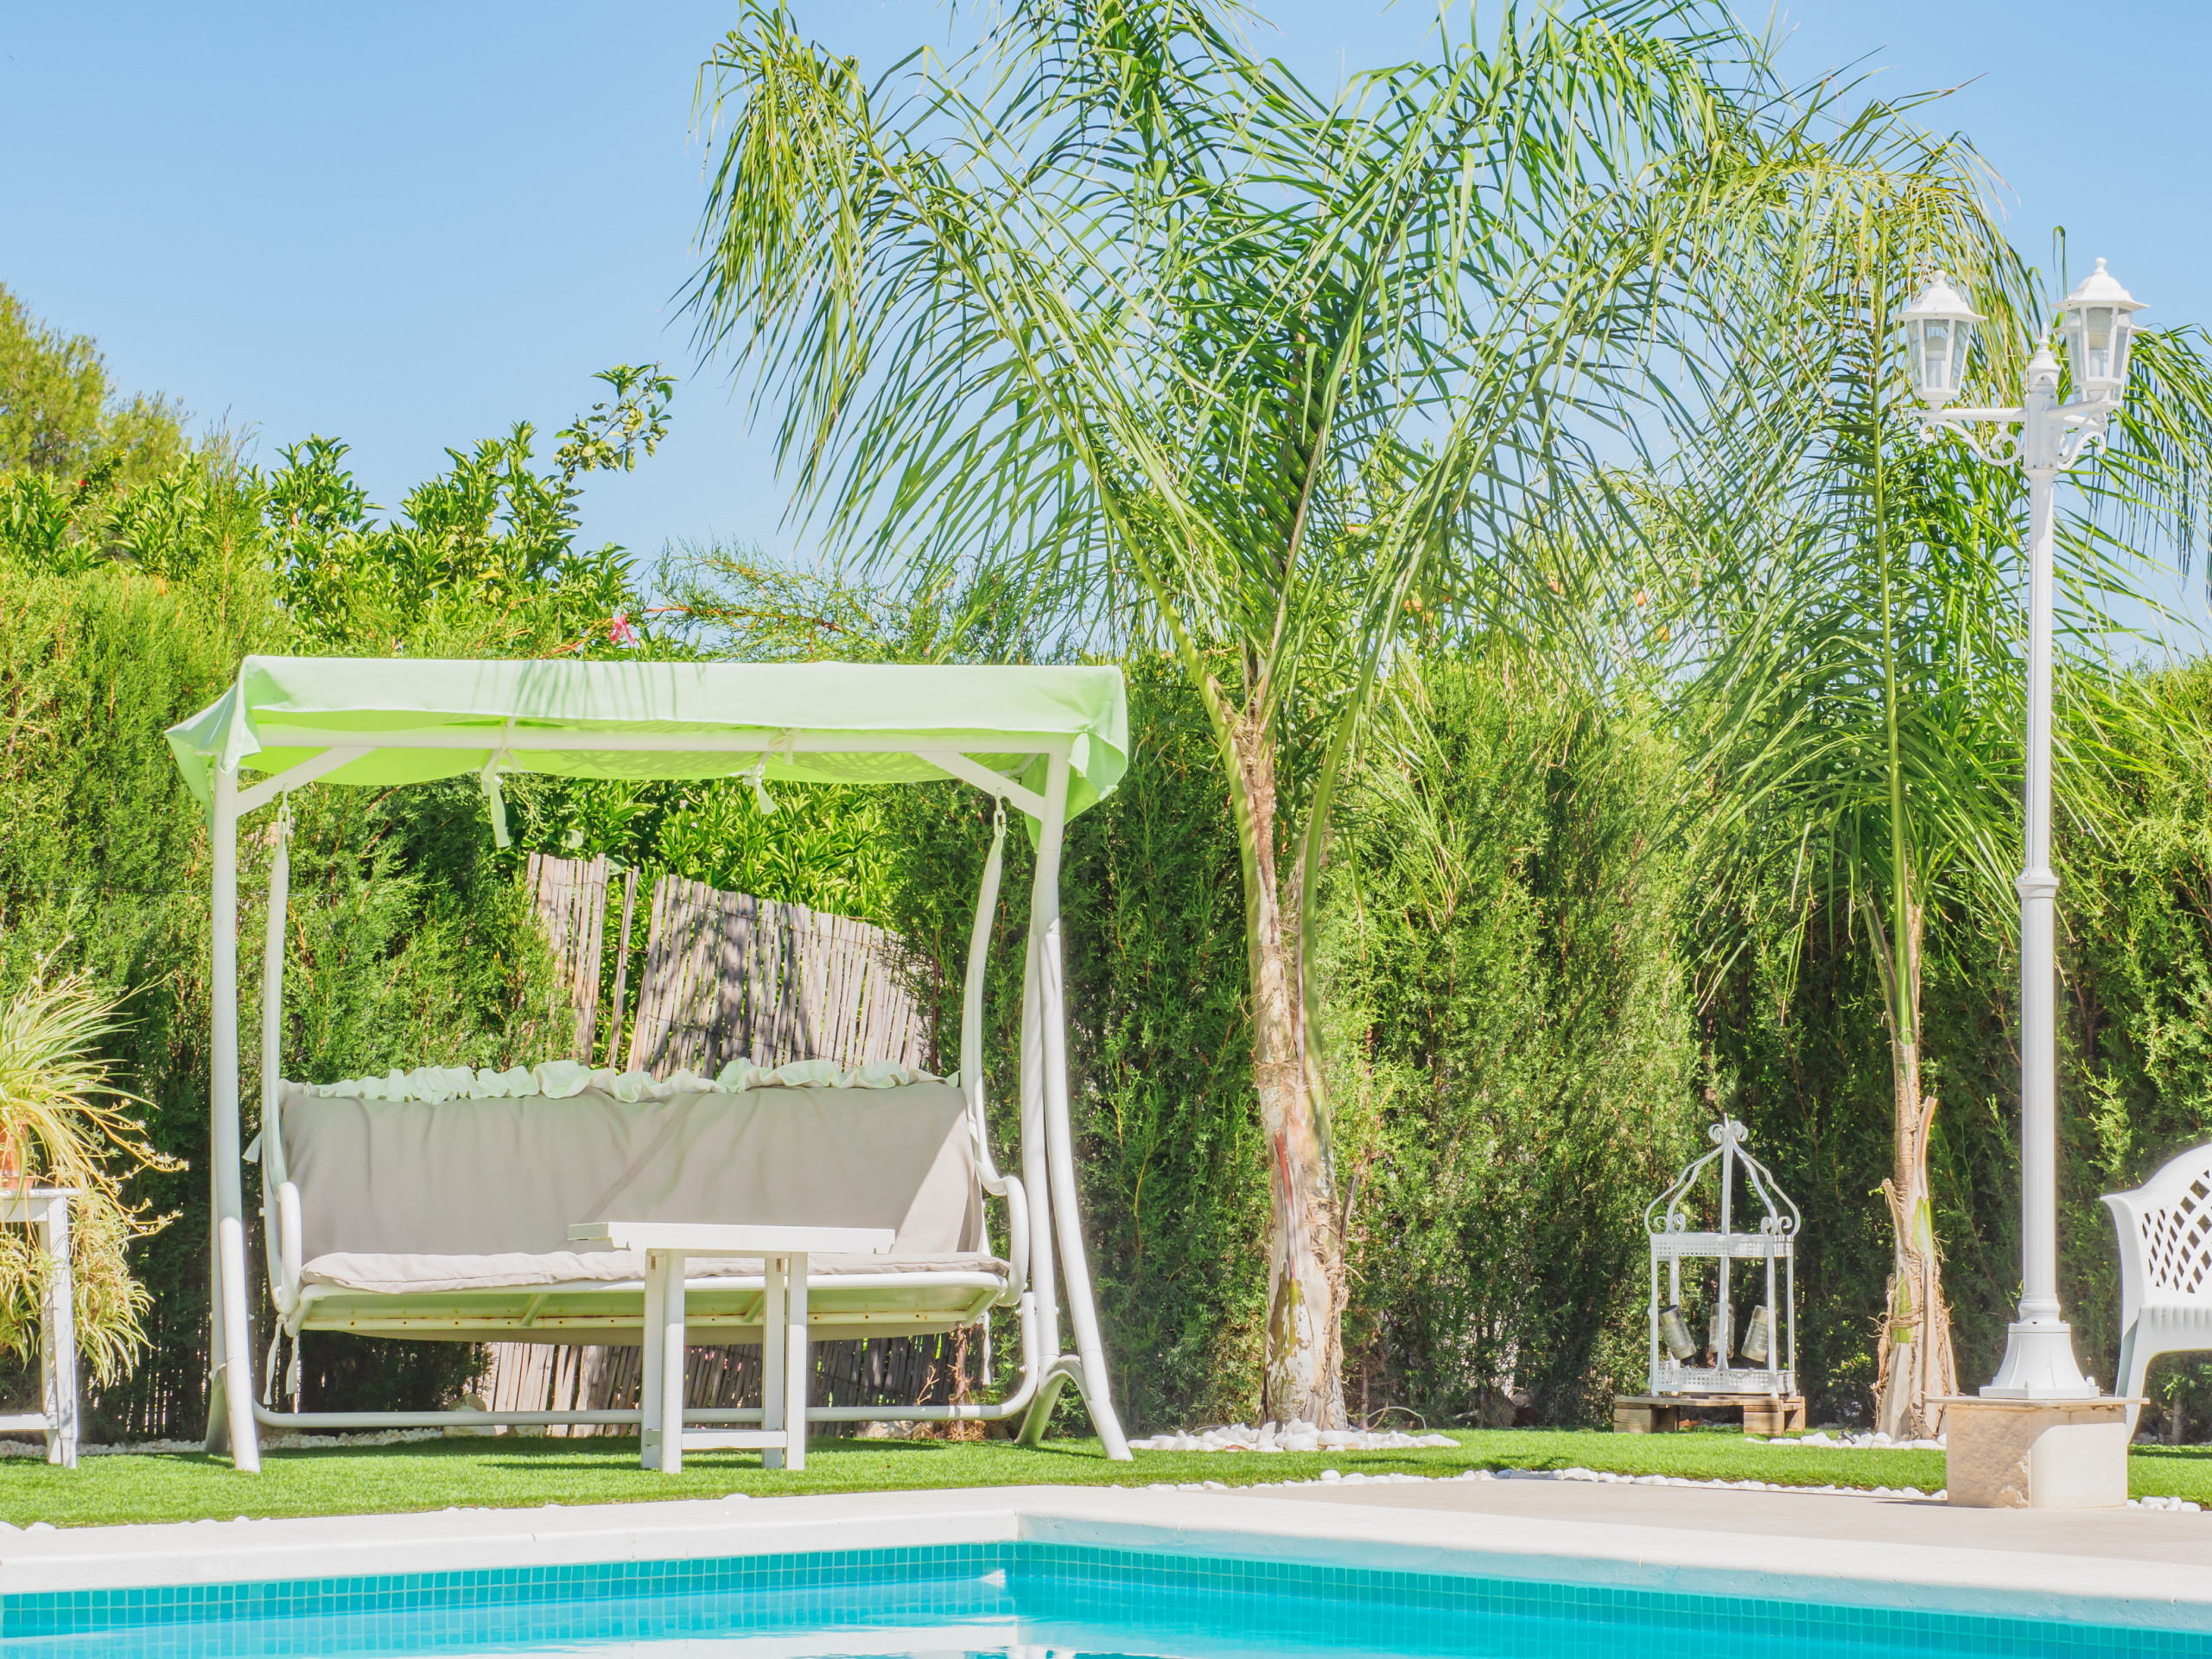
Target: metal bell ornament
[{"x": 1758, "y": 1337}]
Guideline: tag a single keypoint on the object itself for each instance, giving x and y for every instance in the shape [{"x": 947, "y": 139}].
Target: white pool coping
[{"x": 2004, "y": 1583}]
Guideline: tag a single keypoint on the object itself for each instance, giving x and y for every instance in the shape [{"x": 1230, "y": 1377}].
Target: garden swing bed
[{"x": 567, "y": 1204}]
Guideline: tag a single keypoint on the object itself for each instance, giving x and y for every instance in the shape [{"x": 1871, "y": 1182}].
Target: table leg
[
  {"x": 650, "y": 1350},
  {"x": 774, "y": 1374},
  {"x": 797, "y": 1372},
  {"x": 672, "y": 1366},
  {"x": 58, "y": 1338}
]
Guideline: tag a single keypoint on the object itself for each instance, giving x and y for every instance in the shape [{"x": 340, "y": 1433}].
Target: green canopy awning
[{"x": 810, "y": 722}]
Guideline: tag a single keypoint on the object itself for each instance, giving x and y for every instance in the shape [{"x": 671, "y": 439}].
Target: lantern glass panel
[
  {"x": 1933, "y": 377},
  {"x": 1962, "y": 343},
  {"x": 2092, "y": 356}
]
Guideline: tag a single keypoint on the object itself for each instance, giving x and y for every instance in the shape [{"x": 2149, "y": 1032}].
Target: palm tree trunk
[
  {"x": 1302, "y": 1378},
  {"x": 1914, "y": 1356}
]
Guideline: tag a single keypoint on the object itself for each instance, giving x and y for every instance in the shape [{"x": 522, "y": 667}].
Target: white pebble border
[
  {"x": 1843, "y": 1442},
  {"x": 1606, "y": 1477},
  {"x": 1289, "y": 1437},
  {"x": 1303, "y": 1437},
  {"x": 269, "y": 1443},
  {"x": 1236, "y": 1438},
  {"x": 1600, "y": 1476}
]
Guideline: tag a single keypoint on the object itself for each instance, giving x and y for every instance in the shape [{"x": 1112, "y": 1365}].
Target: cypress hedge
[{"x": 1519, "y": 1052}]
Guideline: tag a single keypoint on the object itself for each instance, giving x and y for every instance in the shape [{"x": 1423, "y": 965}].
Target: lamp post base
[
  {"x": 2039, "y": 1364},
  {"x": 2036, "y": 1454}
]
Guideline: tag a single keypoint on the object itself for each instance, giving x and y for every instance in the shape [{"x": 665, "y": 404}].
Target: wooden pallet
[{"x": 1658, "y": 1414}]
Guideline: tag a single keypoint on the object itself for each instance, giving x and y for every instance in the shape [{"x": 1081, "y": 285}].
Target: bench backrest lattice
[
  {"x": 729, "y": 976},
  {"x": 569, "y": 896},
  {"x": 2178, "y": 1238},
  {"x": 2165, "y": 1268}
]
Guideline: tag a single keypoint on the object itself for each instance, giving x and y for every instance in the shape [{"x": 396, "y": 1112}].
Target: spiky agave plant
[{"x": 63, "y": 1124}]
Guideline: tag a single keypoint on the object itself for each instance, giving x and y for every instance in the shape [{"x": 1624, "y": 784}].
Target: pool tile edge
[
  {"x": 1914, "y": 1577},
  {"x": 203, "y": 1553},
  {"x": 1905, "y": 1577}
]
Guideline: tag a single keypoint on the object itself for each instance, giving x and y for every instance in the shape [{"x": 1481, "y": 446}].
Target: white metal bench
[
  {"x": 1046, "y": 742},
  {"x": 2165, "y": 1268}
]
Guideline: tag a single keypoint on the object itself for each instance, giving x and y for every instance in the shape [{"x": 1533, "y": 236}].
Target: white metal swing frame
[{"x": 1040, "y": 1202}]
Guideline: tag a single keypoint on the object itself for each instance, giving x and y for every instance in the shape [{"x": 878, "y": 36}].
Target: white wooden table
[
  {"x": 47, "y": 1208},
  {"x": 785, "y": 1355}
]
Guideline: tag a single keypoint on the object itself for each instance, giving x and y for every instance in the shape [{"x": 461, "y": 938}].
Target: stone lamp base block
[{"x": 2037, "y": 1455}]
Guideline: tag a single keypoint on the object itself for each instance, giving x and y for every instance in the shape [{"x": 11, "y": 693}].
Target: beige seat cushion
[{"x": 398, "y": 1274}]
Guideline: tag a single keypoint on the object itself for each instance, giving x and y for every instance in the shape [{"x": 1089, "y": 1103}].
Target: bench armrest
[
  {"x": 1009, "y": 1187},
  {"x": 2134, "y": 1267},
  {"x": 280, "y": 1215},
  {"x": 288, "y": 1237}
]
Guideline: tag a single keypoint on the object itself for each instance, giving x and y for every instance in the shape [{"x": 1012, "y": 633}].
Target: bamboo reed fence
[
  {"x": 729, "y": 976},
  {"x": 569, "y": 896}
]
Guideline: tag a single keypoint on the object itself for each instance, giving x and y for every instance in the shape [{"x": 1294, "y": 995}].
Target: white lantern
[
  {"x": 1938, "y": 333},
  {"x": 2099, "y": 322}
]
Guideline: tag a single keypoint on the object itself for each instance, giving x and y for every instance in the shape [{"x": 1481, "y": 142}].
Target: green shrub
[{"x": 1509, "y": 1049}]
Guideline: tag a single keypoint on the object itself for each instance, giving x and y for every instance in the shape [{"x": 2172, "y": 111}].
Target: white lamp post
[{"x": 2044, "y": 438}]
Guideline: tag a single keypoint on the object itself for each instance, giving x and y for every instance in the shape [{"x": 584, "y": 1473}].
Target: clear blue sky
[{"x": 409, "y": 225}]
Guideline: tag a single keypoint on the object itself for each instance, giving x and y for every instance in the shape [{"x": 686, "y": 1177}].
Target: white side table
[
  {"x": 48, "y": 1208},
  {"x": 786, "y": 1353}
]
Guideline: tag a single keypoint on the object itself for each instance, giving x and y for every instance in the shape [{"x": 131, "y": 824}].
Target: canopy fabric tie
[
  {"x": 291, "y": 1371},
  {"x": 493, "y": 796},
  {"x": 786, "y": 740}
]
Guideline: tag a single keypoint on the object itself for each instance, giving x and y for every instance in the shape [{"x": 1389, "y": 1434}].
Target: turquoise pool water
[{"x": 1023, "y": 1600}]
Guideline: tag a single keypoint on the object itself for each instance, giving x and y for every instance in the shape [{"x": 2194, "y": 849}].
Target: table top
[
  {"x": 22, "y": 1203},
  {"x": 706, "y": 1237}
]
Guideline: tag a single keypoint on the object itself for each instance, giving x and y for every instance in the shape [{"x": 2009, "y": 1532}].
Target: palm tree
[
  {"x": 1108, "y": 309},
  {"x": 1857, "y": 708}
]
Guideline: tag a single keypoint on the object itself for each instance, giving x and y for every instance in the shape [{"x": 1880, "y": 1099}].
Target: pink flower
[{"x": 622, "y": 633}]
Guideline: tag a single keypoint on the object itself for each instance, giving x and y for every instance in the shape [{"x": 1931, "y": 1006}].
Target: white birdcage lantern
[
  {"x": 2098, "y": 320},
  {"x": 1693, "y": 1236}
]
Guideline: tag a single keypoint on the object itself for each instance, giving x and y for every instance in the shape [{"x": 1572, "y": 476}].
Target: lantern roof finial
[
  {"x": 1940, "y": 299},
  {"x": 2100, "y": 287}
]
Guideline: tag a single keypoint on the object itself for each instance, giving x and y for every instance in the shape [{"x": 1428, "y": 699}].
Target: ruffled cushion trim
[{"x": 559, "y": 1080}]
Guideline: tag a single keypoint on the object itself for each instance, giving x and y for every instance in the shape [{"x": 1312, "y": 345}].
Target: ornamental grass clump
[{"x": 63, "y": 1124}]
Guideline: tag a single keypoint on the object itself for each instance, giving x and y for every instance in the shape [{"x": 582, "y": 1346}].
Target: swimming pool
[{"x": 1018, "y": 1598}]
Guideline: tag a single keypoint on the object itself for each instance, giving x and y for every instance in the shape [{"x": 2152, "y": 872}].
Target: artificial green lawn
[{"x": 524, "y": 1473}]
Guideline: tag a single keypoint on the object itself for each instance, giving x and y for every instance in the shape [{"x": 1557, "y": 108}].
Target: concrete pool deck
[
  {"x": 1856, "y": 1517},
  {"x": 2121, "y": 1568}
]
